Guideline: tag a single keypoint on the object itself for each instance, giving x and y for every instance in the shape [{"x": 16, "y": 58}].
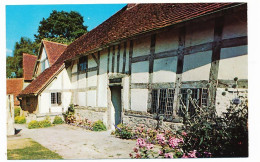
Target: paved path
[{"x": 76, "y": 143}]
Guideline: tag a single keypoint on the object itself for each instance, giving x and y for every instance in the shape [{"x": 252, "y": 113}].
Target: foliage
[
  {"x": 123, "y": 131},
  {"x": 17, "y": 111},
  {"x": 15, "y": 63},
  {"x": 31, "y": 151},
  {"x": 33, "y": 124},
  {"x": 99, "y": 126},
  {"x": 61, "y": 24},
  {"x": 19, "y": 120},
  {"x": 220, "y": 136},
  {"x": 69, "y": 115},
  {"x": 57, "y": 120},
  {"x": 39, "y": 124}
]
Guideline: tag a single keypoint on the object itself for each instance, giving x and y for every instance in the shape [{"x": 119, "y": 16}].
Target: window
[
  {"x": 82, "y": 66},
  {"x": 162, "y": 102},
  {"x": 56, "y": 98},
  {"x": 199, "y": 94}
]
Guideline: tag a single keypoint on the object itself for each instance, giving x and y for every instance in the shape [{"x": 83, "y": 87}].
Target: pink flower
[
  {"x": 149, "y": 146},
  {"x": 140, "y": 142},
  {"x": 160, "y": 152},
  {"x": 161, "y": 139},
  {"x": 184, "y": 133},
  {"x": 174, "y": 142},
  {"x": 192, "y": 154},
  {"x": 135, "y": 149},
  {"x": 185, "y": 156},
  {"x": 137, "y": 156},
  {"x": 168, "y": 155}
]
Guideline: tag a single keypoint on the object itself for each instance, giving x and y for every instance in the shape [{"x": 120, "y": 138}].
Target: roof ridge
[
  {"x": 54, "y": 42},
  {"x": 14, "y": 78},
  {"x": 29, "y": 54}
]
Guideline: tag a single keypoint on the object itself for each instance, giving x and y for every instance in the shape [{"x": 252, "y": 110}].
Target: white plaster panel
[
  {"x": 115, "y": 60},
  {"x": 197, "y": 66},
  {"x": 91, "y": 61},
  {"x": 166, "y": 41},
  {"x": 102, "y": 90},
  {"x": 74, "y": 67},
  {"x": 125, "y": 93},
  {"x": 121, "y": 58},
  {"x": 45, "y": 103},
  {"x": 141, "y": 46},
  {"x": 82, "y": 81},
  {"x": 91, "y": 97},
  {"x": 66, "y": 100},
  {"x": 82, "y": 99},
  {"x": 74, "y": 83},
  {"x": 199, "y": 33},
  {"x": 139, "y": 99},
  {"x": 56, "y": 83},
  {"x": 110, "y": 60},
  {"x": 233, "y": 63},
  {"x": 140, "y": 72},
  {"x": 43, "y": 54},
  {"x": 234, "y": 26},
  {"x": 66, "y": 78},
  {"x": 103, "y": 62},
  {"x": 92, "y": 78},
  {"x": 165, "y": 70}
]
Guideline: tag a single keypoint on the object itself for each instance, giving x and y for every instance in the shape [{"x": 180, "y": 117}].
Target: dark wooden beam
[
  {"x": 124, "y": 58},
  {"x": 94, "y": 57},
  {"x": 108, "y": 59},
  {"x": 216, "y": 48},
  {"x": 118, "y": 59},
  {"x": 113, "y": 59}
]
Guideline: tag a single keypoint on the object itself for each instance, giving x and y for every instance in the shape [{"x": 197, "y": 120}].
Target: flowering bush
[{"x": 123, "y": 131}]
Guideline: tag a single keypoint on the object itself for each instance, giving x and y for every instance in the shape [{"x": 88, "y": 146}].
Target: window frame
[
  {"x": 82, "y": 65},
  {"x": 56, "y": 98}
]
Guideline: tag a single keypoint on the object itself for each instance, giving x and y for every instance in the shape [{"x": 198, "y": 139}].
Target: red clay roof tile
[
  {"x": 53, "y": 50},
  {"x": 14, "y": 86},
  {"x": 137, "y": 19},
  {"x": 28, "y": 65}
]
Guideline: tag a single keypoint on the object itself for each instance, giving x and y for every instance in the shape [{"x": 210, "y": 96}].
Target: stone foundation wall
[
  {"x": 134, "y": 121},
  {"x": 92, "y": 113}
]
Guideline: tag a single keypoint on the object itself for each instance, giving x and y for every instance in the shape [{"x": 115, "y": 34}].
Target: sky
[{"x": 23, "y": 20}]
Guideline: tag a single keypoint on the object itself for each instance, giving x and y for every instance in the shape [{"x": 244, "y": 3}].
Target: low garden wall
[
  {"x": 91, "y": 113},
  {"x": 147, "y": 121}
]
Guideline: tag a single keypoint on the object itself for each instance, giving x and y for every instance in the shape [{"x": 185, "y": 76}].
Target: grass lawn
[{"x": 27, "y": 149}]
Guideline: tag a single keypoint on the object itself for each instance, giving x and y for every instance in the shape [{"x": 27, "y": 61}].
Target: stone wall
[
  {"x": 134, "y": 120},
  {"x": 91, "y": 113}
]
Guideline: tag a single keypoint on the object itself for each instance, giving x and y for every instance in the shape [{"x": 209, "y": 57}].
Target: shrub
[
  {"x": 57, "y": 120},
  {"x": 99, "y": 126},
  {"x": 17, "y": 111},
  {"x": 123, "y": 131},
  {"x": 19, "y": 120},
  {"x": 69, "y": 115},
  {"x": 44, "y": 123},
  {"x": 33, "y": 124},
  {"x": 39, "y": 124},
  {"x": 219, "y": 136}
]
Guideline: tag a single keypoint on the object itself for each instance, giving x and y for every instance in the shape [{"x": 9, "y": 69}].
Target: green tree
[
  {"x": 60, "y": 25},
  {"x": 15, "y": 64}
]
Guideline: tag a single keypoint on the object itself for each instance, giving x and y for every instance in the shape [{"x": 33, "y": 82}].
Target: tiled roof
[
  {"x": 138, "y": 19},
  {"x": 28, "y": 65},
  {"x": 53, "y": 50},
  {"x": 129, "y": 21},
  {"x": 14, "y": 86}
]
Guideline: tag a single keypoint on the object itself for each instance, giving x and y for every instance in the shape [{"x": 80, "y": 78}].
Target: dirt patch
[{"x": 18, "y": 143}]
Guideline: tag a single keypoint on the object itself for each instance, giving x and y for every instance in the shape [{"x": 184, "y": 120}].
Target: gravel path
[{"x": 76, "y": 143}]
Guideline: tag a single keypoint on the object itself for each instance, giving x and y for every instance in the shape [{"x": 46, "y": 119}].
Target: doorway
[{"x": 116, "y": 106}]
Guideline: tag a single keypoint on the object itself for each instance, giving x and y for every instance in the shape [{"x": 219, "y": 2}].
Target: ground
[{"x": 76, "y": 143}]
